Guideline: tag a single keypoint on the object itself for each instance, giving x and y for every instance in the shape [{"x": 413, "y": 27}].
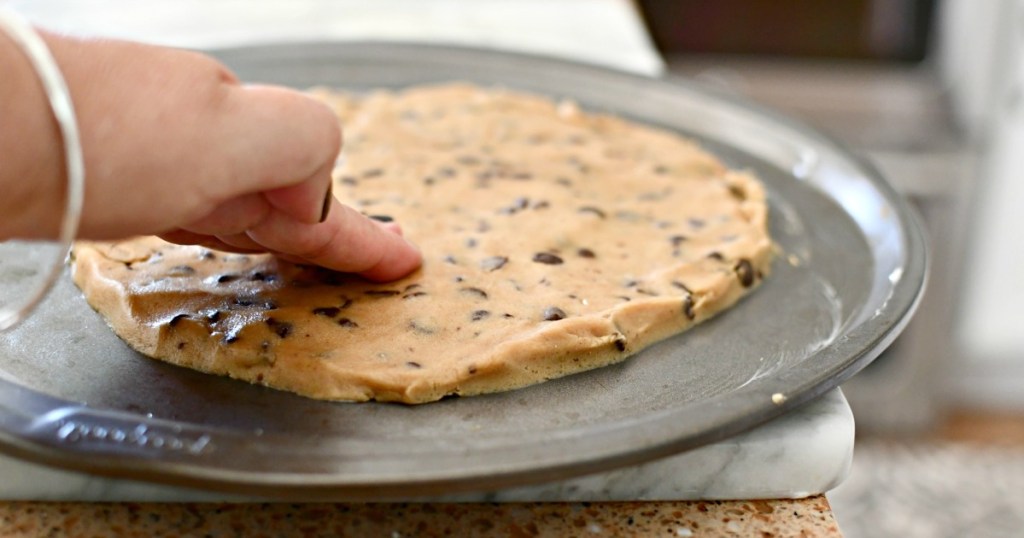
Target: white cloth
[{"x": 603, "y": 32}]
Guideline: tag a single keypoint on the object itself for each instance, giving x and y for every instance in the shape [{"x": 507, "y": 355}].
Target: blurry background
[
  {"x": 928, "y": 90},
  {"x": 932, "y": 92}
]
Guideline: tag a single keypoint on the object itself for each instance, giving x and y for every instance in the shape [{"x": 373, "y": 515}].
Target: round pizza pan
[{"x": 851, "y": 268}]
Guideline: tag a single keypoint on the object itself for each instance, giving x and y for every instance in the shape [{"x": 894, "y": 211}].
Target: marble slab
[{"x": 806, "y": 452}]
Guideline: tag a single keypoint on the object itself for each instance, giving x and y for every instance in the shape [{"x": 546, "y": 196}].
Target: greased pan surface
[{"x": 851, "y": 270}]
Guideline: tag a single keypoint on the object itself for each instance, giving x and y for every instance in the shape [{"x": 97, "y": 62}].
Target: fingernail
[{"x": 328, "y": 199}]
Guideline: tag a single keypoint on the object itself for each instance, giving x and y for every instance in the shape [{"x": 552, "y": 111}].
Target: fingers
[
  {"x": 182, "y": 237},
  {"x": 286, "y": 144},
  {"x": 232, "y": 217},
  {"x": 347, "y": 241}
]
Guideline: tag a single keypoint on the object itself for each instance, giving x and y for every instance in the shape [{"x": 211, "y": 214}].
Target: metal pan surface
[{"x": 851, "y": 269}]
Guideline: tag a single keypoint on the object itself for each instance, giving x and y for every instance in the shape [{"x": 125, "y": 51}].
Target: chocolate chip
[
  {"x": 506, "y": 315},
  {"x": 472, "y": 370},
  {"x": 586, "y": 253},
  {"x": 620, "y": 344},
  {"x": 593, "y": 210},
  {"x": 553, "y": 313},
  {"x": 382, "y": 293},
  {"x": 688, "y": 307},
  {"x": 715, "y": 255},
  {"x": 345, "y": 322},
  {"x": 181, "y": 345},
  {"x": 207, "y": 255},
  {"x": 260, "y": 276},
  {"x": 677, "y": 240},
  {"x": 547, "y": 258},
  {"x": 680, "y": 285},
  {"x": 737, "y": 192},
  {"x": 745, "y": 272},
  {"x": 629, "y": 283},
  {"x": 493, "y": 263},
  {"x": 181, "y": 270},
  {"x": 382, "y": 218},
  {"x": 478, "y": 315},
  {"x": 280, "y": 328},
  {"x": 474, "y": 291},
  {"x": 224, "y": 279},
  {"x": 413, "y": 364},
  {"x": 421, "y": 329},
  {"x": 254, "y": 302},
  {"x": 328, "y": 311},
  {"x": 174, "y": 321},
  {"x": 345, "y": 303}
]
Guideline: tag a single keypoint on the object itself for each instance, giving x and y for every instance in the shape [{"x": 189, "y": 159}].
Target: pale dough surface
[{"x": 554, "y": 241}]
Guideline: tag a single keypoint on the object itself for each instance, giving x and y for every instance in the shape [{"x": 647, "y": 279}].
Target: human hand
[{"x": 175, "y": 146}]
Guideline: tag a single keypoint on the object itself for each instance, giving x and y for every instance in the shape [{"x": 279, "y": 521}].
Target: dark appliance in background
[
  {"x": 884, "y": 30},
  {"x": 861, "y": 71}
]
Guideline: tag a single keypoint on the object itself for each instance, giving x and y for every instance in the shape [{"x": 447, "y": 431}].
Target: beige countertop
[{"x": 810, "y": 517}]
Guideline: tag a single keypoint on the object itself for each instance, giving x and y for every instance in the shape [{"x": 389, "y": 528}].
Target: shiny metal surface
[{"x": 851, "y": 270}]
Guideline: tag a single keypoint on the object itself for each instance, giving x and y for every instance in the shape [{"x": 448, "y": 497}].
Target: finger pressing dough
[{"x": 555, "y": 241}]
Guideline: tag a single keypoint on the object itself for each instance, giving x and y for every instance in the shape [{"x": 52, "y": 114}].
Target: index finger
[{"x": 347, "y": 241}]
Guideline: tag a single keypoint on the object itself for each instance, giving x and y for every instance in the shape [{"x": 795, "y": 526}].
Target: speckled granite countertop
[{"x": 810, "y": 517}]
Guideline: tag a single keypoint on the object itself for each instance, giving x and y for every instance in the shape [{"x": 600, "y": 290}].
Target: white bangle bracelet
[{"x": 38, "y": 54}]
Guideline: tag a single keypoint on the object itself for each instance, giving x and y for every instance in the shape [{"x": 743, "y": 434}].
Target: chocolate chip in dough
[
  {"x": 547, "y": 258},
  {"x": 327, "y": 311},
  {"x": 382, "y": 293},
  {"x": 478, "y": 315},
  {"x": 280, "y": 328},
  {"x": 181, "y": 270},
  {"x": 493, "y": 263},
  {"x": 174, "y": 321},
  {"x": 688, "y": 307},
  {"x": 745, "y": 272},
  {"x": 474, "y": 291},
  {"x": 553, "y": 313}
]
